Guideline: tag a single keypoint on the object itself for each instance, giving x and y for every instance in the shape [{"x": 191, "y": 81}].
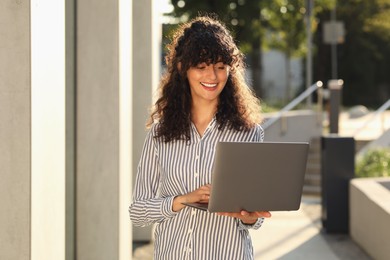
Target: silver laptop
[{"x": 264, "y": 176}]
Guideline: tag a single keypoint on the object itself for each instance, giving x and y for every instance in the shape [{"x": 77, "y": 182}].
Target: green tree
[
  {"x": 286, "y": 29},
  {"x": 364, "y": 57}
]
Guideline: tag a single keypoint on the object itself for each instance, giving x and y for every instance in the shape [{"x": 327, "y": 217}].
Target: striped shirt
[{"x": 178, "y": 167}]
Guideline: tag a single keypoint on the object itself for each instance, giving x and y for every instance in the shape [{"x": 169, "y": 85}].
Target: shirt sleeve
[
  {"x": 147, "y": 207},
  {"x": 259, "y": 134},
  {"x": 256, "y": 225}
]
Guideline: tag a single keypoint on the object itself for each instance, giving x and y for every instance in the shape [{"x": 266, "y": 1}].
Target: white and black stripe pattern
[{"x": 170, "y": 169}]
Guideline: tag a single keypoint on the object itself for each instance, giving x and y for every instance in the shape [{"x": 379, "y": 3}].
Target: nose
[{"x": 211, "y": 72}]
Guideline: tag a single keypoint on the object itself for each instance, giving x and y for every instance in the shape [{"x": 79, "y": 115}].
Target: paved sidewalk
[
  {"x": 293, "y": 235},
  {"x": 299, "y": 235}
]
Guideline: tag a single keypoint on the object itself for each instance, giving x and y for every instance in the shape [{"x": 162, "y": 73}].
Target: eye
[
  {"x": 221, "y": 66},
  {"x": 201, "y": 66}
]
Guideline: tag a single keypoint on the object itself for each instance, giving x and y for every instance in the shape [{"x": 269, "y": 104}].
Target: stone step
[
  {"x": 312, "y": 190},
  {"x": 313, "y": 166},
  {"x": 312, "y": 181}
]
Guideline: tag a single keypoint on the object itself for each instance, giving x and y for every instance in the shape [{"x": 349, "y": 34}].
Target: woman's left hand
[{"x": 246, "y": 217}]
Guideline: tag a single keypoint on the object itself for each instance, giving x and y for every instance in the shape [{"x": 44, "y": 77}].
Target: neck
[{"x": 201, "y": 115}]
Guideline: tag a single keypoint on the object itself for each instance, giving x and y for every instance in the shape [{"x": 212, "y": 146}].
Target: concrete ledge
[
  {"x": 370, "y": 215},
  {"x": 296, "y": 125}
]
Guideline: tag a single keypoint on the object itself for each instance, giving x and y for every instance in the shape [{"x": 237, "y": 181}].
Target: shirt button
[
  {"x": 190, "y": 230},
  {"x": 197, "y": 157},
  {"x": 196, "y": 175},
  {"x": 193, "y": 212}
]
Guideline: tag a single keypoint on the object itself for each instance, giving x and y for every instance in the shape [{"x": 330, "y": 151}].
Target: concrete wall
[
  {"x": 97, "y": 128},
  {"x": 48, "y": 144},
  {"x": 294, "y": 126},
  {"x": 381, "y": 142},
  {"x": 15, "y": 127},
  {"x": 275, "y": 76},
  {"x": 146, "y": 75},
  {"x": 65, "y": 129},
  {"x": 370, "y": 215},
  {"x": 100, "y": 210}
]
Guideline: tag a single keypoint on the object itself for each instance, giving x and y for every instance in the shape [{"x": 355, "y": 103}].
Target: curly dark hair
[{"x": 202, "y": 40}]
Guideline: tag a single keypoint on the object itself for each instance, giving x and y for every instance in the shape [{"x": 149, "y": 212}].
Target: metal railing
[
  {"x": 316, "y": 86},
  {"x": 378, "y": 112}
]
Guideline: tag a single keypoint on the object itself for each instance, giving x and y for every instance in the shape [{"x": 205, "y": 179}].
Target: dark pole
[
  {"x": 335, "y": 86},
  {"x": 309, "y": 57}
]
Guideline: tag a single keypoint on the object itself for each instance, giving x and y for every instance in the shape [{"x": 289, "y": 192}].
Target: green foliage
[
  {"x": 286, "y": 24},
  {"x": 374, "y": 163},
  {"x": 241, "y": 16},
  {"x": 266, "y": 108},
  {"x": 379, "y": 25},
  {"x": 364, "y": 57},
  {"x": 275, "y": 23}
]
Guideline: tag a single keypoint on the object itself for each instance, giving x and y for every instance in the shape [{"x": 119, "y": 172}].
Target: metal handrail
[
  {"x": 379, "y": 111},
  {"x": 294, "y": 103}
]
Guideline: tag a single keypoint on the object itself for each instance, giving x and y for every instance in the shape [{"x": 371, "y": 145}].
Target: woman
[{"x": 203, "y": 100}]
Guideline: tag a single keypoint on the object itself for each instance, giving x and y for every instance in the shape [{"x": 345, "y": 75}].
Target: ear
[{"x": 179, "y": 66}]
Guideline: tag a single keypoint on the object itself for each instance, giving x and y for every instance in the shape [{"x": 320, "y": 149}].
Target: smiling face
[{"x": 207, "y": 81}]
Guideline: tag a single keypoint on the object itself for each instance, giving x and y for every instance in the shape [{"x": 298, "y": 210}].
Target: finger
[
  {"x": 265, "y": 214},
  {"x": 256, "y": 214},
  {"x": 206, "y": 197},
  {"x": 230, "y": 214},
  {"x": 204, "y": 188},
  {"x": 244, "y": 213}
]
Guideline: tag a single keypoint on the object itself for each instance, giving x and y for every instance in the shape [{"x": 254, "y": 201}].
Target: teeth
[{"x": 209, "y": 85}]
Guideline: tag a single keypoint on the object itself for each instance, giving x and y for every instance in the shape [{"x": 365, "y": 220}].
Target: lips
[{"x": 208, "y": 85}]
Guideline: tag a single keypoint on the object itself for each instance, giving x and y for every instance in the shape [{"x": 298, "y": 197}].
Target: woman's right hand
[{"x": 200, "y": 195}]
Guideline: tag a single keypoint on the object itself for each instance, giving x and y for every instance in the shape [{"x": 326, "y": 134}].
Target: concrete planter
[{"x": 370, "y": 215}]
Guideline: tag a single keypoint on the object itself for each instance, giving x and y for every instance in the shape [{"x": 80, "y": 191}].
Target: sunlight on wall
[
  {"x": 48, "y": 129},
  {"x": 125, "y": 128}
]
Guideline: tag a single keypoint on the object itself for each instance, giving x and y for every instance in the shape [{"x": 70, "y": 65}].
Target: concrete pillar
[
  {"x": 48, "y": 147},
  {"x": 65, "y": 129},
  {"x": 100, "y": 180},
  {"x": 125, "y": 127},
  {"x": 70, "y": 131},
  {"x": 32, "y": 134},
  {"x": 146, "y": 73},
  {"x": 15, "y": 128}
]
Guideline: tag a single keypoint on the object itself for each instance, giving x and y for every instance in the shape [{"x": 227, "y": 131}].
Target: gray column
[
  {"x": 146, "y": 72},
  {"x": 98, "y": 146},
  {"x": 15, "y": 142},
  {"x": 41, "y": 144},
  {"x": 97, "y": 161},
  {"x": 70, "y": 158}
]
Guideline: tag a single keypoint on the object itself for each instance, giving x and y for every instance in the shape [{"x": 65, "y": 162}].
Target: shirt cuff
[
  {"x": 166, "y": 207},
  {"x": 256, "y": 225}
]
